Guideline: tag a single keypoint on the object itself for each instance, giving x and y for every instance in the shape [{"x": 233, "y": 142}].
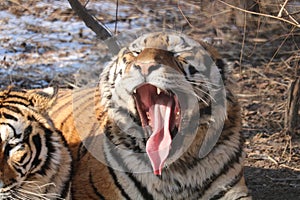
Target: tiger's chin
[{"x": 159, "y": 112}]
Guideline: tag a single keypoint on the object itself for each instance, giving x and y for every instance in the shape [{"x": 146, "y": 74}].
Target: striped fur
[
  {"x": 35, "y": 162},
  {"x": 108, "y": 130}
]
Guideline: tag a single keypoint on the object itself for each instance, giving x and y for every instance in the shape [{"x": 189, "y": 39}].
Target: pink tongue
[{"x": 158, "y": 145}]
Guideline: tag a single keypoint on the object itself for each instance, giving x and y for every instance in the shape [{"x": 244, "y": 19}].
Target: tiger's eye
[{"x": 19, "y": 153}]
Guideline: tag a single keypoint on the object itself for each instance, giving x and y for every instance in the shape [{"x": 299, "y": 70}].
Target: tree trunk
[{"x": 292, "y": 117}]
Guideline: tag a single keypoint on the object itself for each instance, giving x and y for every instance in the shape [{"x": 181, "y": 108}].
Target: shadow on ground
[{"x": 273, "y": 184}]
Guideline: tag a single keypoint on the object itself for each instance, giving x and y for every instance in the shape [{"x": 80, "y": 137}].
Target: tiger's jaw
[{"x": 160, "y": 112}]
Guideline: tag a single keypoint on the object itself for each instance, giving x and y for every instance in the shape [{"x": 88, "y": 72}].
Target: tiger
[
  {"x": 35, "y": 159},
  {"x": 156, "y": 126}
]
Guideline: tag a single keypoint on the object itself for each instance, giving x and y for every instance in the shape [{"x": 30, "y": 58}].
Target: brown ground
[{"x": 263, "y": 57}]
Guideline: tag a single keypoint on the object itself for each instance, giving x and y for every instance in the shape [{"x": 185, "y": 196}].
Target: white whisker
[
  {"x": 47, "y": 196},
  {"x": 37, "y": 185},
  {"x": 204, "y": 81},
  {"x": 205, "y": 93},
  {"x": 32, "y": 194},
  {"x": 184, "y": 84},
  {"x": 20, "y": 196},
  {"x": 35, "y": 191}
]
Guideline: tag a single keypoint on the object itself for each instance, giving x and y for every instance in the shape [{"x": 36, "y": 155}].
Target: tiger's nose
[{"x": 146, "y": 68}]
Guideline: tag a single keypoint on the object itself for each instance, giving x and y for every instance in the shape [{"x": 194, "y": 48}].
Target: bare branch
[
  {"x": 97, "y": 27},
  {"x": 117, "y": 11},
  {"x": 102, "y": 32}
]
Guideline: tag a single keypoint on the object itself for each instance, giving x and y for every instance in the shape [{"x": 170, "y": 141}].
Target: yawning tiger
[{"x": 161, "y": 125}]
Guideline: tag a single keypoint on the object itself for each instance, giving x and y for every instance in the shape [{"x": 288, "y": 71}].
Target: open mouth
[{"x": 160, "y": 113}]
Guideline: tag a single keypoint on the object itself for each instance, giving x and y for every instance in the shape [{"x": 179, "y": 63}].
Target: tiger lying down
[{"x": 35, "y": 160}]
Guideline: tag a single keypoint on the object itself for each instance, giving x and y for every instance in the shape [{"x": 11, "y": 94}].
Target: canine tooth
[
  {"x": 158, "y": 91},
  {"x": 134, "y": 91}
]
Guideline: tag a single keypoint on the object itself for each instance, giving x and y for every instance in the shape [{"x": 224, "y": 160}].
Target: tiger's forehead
[
  {"x": 160, "y": 41},
  {"x": 182, "y": 47},
  {"x": 157, "y": 40},
  {"x": 154, "y": 54}
]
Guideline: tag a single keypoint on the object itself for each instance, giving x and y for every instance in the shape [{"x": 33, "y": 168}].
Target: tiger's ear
[{"x": 43, "y": 99}]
